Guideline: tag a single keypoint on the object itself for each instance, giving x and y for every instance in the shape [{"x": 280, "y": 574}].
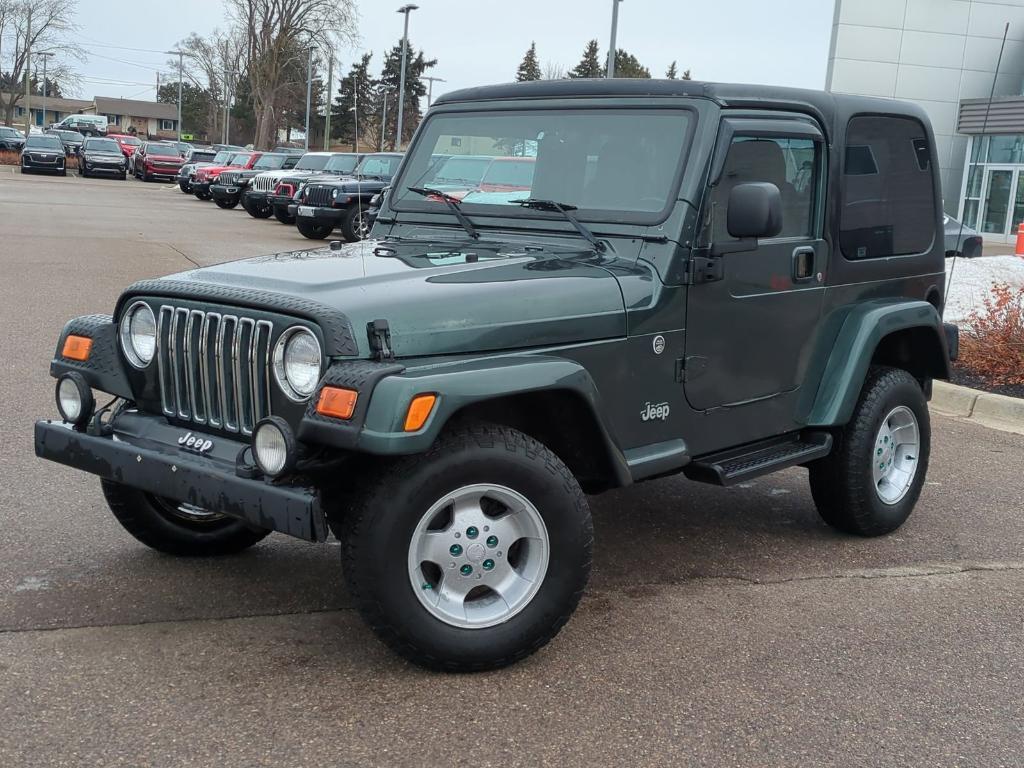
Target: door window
[{"x": 791, "y": 164}]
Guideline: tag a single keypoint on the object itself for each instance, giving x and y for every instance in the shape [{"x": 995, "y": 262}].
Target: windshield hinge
[
  {"x": 703, "y": 269},
  {"x": 379, "y": 334}
]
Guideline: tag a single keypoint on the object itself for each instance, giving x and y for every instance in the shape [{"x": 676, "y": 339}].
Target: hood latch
[{"x": 379, "y": 334}]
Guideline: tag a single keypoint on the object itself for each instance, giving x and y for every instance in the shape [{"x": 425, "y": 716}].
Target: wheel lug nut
[
  {"x": 472, "y": 532},
  {"x": 466, "y": 569},
  {"x": 488, "y": 564},
  {"x": 492, "y": 541},
  {"x": 455, "y": 550}
]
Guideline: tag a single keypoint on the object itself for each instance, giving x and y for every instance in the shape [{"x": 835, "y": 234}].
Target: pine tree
[
  {"x": 686, "y": 75},
  {"x": 415, "y": 90},
  {"x": 627, "y": 65},
  {"x": 529, "y": 68},
  {"x": 357, "y": 89},
  {"x": 672, "y": 73},
  {"x": 590, "y": 65}
]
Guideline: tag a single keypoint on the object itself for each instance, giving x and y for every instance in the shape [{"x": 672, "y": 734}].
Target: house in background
[
  {"x": 148, "y": 118},
  {"x": 56, "y": 110}
]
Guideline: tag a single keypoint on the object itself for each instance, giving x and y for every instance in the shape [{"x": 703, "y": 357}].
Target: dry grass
[
  {"x": 14, "y": 158},
  {"x": 992, "y": 341}
]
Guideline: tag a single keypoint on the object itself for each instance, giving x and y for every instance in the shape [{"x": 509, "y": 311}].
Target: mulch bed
[{"x": 966, "y": 378}]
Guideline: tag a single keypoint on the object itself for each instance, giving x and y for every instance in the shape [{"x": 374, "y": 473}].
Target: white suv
[{"x": 87, "y": 125}]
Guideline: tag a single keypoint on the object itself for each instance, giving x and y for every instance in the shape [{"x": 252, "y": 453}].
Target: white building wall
[{"x": 932, "y": 52}]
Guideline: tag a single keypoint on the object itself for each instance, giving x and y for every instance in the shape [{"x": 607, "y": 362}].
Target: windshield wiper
[
  {"x": 453, "y": 203},
  {"x": 566, "y": 210}
]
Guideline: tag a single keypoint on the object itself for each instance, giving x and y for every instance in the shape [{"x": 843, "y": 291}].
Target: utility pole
[
  {"x": 309, "y": 92},
  {"x": 611, "y": 46},
  {"x": 44, "y": 55},
  {"x": 384, "y": 120},
  {"x": 430, "y": 87},
  {"x": 406, "y": 9},
  {"x": 330, "y": 99},
  {"x": 28, "y": 76},
  {"x": 227, "y": 107},
  {"x": 355, "y": 112},
  {"x": 181, "y": 76}
]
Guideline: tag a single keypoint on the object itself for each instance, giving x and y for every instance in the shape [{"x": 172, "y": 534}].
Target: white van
[{"x": 87, "y": 125}]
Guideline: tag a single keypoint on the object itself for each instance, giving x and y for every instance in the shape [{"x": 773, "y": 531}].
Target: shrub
[
  {"x": 992, "y": 341},
  {"x": 14, "y": 158}
]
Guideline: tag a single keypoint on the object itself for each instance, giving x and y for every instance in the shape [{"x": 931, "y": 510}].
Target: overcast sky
[{"x": 482, "y": 41}]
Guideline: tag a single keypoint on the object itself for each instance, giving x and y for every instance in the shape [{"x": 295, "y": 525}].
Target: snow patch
[{"x": 973, "y": 279}]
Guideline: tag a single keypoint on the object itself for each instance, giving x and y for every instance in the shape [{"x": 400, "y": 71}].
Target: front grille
[
  {"x": 318, "y": 196},
  {"x": 50, "y": 159},
  {"x": 214, "y": 368},
  {"x": 227, "y": 179},
  {"x": 264, "y": 183}
]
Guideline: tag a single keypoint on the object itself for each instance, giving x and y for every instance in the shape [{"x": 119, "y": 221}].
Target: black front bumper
[
  {"x": 57, "y": 165},
  {"x": 202, "y": 187},
  {"x": 143, "y": 452},
  {"x": 226, "y": 193},
  {"x": 328, "y": 216},
  {"x": 114, "y": 170}
]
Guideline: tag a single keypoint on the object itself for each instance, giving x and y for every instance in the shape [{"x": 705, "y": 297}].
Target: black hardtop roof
[{"x": 827, "y": 105}]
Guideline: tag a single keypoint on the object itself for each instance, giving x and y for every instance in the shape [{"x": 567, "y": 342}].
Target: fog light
[
  {"x": 273, "y": 446},
  {"x": 74, "y": 399}
]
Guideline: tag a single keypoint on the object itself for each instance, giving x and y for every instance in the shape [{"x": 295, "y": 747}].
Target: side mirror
[{"x": 755, "y": 210}]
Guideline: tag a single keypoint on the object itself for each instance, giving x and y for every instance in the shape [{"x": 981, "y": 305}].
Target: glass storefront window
[
  {"x": 973, "y": 182},
  {"x": 978, "y": 148},
  {"x": 1006, "y": 149}
]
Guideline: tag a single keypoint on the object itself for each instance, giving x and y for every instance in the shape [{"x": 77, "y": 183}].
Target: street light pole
[
  {"x": 384, "y": 121},
  {"x": 611, "y": 46},
  {"x": 430, "y": 87},
  {"x": 309, "y": 92},
  {"x": 355, "y": 112},
  {"x": 45, "y": 55},
  {"x": 406, "y": 9},
  {"x": 327, "y": 113},
  {"x": 181, "y": 76}
]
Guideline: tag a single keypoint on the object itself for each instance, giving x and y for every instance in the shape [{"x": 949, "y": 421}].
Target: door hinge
[
  {"x": 379, "y": 334},
  {"x": 702, "y": 269}
]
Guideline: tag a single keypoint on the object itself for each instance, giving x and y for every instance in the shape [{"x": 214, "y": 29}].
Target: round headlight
[
  {"x": 74, "y": 399},
  {"x": 297, "y": 362},
  {"x": 138, "y": 334},
  {"x": 273, "y": 446}
]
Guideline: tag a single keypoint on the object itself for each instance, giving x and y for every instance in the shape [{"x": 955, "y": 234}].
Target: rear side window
[{"x": 888, "y": 199}]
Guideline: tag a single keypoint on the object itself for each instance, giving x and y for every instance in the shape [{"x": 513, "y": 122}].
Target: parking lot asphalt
[{"x": 722, "y": 626}]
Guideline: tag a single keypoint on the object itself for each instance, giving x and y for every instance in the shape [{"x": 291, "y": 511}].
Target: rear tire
[
  {"x": 509, "y": 563},
  {"x": 312, "y": 230},
  {"x": 871, "y": 481},
  {"x": 177, "y": 529}
]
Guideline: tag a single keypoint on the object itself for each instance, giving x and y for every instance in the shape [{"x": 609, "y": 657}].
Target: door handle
[{"x": 803, "y": 264}]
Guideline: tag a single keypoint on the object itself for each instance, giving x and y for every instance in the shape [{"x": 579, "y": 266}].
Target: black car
[
  {"x": 43, "y": 152},
  {"x": 102, "y": 157},
  {"x": 313, "y": 165},
  {"x": 324, "y": 205},
  {"x": 11, "y": 139},
  {"x": 72, "y": 140},
  {"x": 231, "y": 185}
]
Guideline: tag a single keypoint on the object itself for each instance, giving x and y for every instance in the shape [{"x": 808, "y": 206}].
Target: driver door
[{"x": 749, "y": 329}]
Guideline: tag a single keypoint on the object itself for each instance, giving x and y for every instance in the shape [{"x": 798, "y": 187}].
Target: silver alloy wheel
[
  {"x": 362, "y": 225},
  {"x": 895, "y": 456},
  {"x": 478, "y": 556}
]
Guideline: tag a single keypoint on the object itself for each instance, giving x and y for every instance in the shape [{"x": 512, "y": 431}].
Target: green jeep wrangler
[{"x": 715, "y": 280}]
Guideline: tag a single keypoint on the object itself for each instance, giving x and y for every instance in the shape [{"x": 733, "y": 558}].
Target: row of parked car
[{"x": 323, "y": 192}]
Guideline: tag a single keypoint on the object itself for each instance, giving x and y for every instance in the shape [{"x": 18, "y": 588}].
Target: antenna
[{"x": 984, "y": 127}]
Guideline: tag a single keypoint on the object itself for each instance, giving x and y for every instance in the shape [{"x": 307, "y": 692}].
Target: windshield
[
  {"x": 164, "y": 150},
  {"x": 9, "y": 133},
  {"x": 221, "y": 158},
  {"x": 101, "y": 145},
  {"x": 131, "y": 141},
  {"x": 269, "y": 163},
  {"x": 44, "y": 142},
  {"x": 597, "y": 160},
  {"x": 312, "y": 162},
  {"x": 342, "y": 163},
  {"x": 240, "y": 158},
  {"x": 383, "y": 166}
]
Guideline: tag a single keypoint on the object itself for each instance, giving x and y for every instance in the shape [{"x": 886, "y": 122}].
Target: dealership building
[{"x": 942, "y": 55}]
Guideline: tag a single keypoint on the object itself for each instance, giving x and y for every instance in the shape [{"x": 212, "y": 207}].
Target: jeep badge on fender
[{"x": 758, "y": 271}]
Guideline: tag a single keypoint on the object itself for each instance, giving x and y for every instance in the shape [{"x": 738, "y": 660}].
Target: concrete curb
[{"x": 995, "y": 411}]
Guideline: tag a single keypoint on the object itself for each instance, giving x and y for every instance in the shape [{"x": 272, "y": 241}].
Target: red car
[
  {"x": 128, "y": 144},
  {"x": 208, "y": 174},
  {"x": 155, "y": 159}
]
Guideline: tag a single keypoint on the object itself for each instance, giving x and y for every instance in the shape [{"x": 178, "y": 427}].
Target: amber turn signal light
[
  {"x": 337, "y": 403},
  {"x": 77, "y": 348},
  {"x": 419, "y": 412}
]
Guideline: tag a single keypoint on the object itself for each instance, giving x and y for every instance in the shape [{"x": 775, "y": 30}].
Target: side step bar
[{"x": 749, "y": 461}]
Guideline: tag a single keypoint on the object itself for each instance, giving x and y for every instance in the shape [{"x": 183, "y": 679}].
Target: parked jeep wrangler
[{"x": 717, "y": 280}]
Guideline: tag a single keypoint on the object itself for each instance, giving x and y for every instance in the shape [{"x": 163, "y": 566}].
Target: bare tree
[
  {"x": 52, "y": 22},
  {"x": 216, "y": 61},
  {"x": 277, "y": 33},
  {"x": 553, "y": 71}
]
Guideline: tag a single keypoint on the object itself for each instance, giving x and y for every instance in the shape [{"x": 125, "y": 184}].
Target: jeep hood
[{"x": 443, "y": 298}]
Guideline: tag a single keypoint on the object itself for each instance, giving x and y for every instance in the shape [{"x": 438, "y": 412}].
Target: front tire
[
  {"x": 256, "y": 211},
  {"x": 354, "y": 226},
  {"x": 226, "y": 204},
  {"x": 312, "y": 230},
  {"x": 202, "y": 195},
  {"x": 471, "y": 556},
  {"x": 284, "y": 218},
  {"x": 871, "y": 481},
  {"x": 177, "y": 529}
]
